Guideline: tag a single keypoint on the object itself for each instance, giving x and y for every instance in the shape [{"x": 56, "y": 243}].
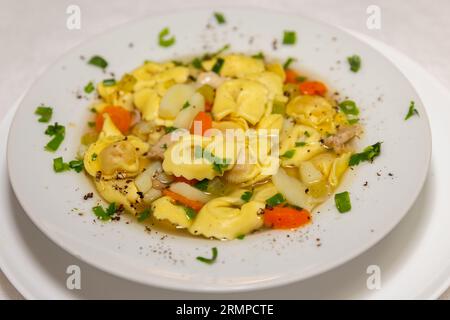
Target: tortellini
[
  {"x": 237, "y": 66},
  {"x": 301, "y": 144},
  {"x": 165, "y": 209},
  {"x": 120, "y": 192},
  {"x": 247, "y": 99},
  {"x": 227, "y": 218}
]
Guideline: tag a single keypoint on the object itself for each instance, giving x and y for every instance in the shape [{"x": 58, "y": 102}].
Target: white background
[{"x": 33, "y": 34}]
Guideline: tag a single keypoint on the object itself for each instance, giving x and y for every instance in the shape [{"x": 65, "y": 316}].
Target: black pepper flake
[
  {"x": 366, "y": 184},
  {"x": 140, "y": 194},
  {"x": 89, "y": 195},
  {"x": 306, "y": 190},
  {"x": 275, "y": 44},
  {"x": 390, "y": 174},
  {"x": 98, "y": 176}
]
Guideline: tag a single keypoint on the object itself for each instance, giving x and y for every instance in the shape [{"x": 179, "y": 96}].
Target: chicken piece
[
  {"x": 338, "y": 141},
  {"x": 157, "y": 150}
]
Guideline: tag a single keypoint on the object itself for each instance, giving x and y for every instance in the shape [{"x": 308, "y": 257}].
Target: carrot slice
[
  {"x": 284, "y": 217},
  {"x": 202, "y": 122},
  {"x": 196, "y": 205},
  {"x": 120, "y": 117},
  {"x": 291, "y": 76},
  {"x": 312, "y": 88},
  {"x": 183, "y": 179}
]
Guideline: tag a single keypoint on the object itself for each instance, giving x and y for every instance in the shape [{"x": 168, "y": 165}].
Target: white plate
[
  {"x": 414, "y": 258},
  {"x": 263, "y": 260}
]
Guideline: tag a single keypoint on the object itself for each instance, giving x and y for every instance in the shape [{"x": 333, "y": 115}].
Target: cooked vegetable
[
  {"x": 194, "y": 204},
  {"x": 342, "y": 201},
  {"x": 120, "y": 117},
  {"x": 411, "y": 111},
  {"x": 285, "y": 217},
  {"x": 45, "y": 113},
  {"x": 209, "y": 260},
  {"x": 368, "y": 154},
  {"x": 98, "y": 61},
  {"x": 354, "y": 62},
  {"x": 220, "y": 18},
  {"x": 201, "y": 123},
  {"x": 312, "y": 88},
  {"x": 289, "y": 37},
  {"x": 164, "y": 40}
]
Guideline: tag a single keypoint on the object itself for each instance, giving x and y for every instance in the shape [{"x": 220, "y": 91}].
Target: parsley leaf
[
  {"x": 220, "y": 18},
  {"x": 98, "y": 62},
  {"x": 246, "y": 196},
  {"x": 163, "y": 39},
  {"x": 259, "y": 55},
  {"x": 288, "y": 62},
  {"x": 45, "y": 113},
  {"x": 197, "y": 63},
  {"x": 368, "y": 154},
  {"x": 275, "y": 200},
  {"x": 209, "y": 260},
  {"x": 411, "y": 111},
  {"x": 300, "y": 144},
  {"x": 144, "y": 215},
  {"x": 185, "y": 105},
  {"x": 100, "y": 212},
  {"x": 288, "y": 154},
  {"x": 355, "y": 62},
  {"x": 202, "y": 185}
]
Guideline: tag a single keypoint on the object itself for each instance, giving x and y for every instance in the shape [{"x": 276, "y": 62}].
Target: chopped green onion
[
  {"x": 342, "y": 201},
  {"x": 220, "y": 18},
  {"x": 246, "y": 196},
  {"x": 55, "y": 129},
  {"x": 288, "y": 154},
  {"x": 218, "y": 65},
  {"x": 289, "y": 37},
  {"x": 98, "y": 62},
  {"x": 45, "y": 113},
  {"x": 163, "y": 39},
  {"x": 288, "y": 62},
  {"x": 259, "y": 55},
  {"x": 202, "y": 185},
  {"x": 209, "y": 260},
  {"x": 76, "y": 165},
  {"x": 307, "y": 134},
  {"x": 89, "y": 87},
  {"x": 349, "y": 107},
  {"x": 109, "y": 82},
  {"x": 275, "y": 200},
  {"x": 368, "y": 154},
  {"x": 144, "y": 215},
  {"x": 54, "y": 144},
  {"x": 219, "y": 166},
  {"x": 411, "y": 111},
  {"x": 241, "y": 237},
  {"x": 278, "y": 107},
  {"x": 59, "y": 165},
  {"x": 355, "y": 62},
  {"x": 94, "y": 157}
]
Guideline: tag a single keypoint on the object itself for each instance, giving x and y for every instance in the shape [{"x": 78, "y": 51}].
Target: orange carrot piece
[
  {"x": 291, "y": 76},
  {"x": 208, "y": 106},
  {"x": 196, "y": 205},
  {"x": 312, "y": 88},
  {"x": 283, "y": 217},
  {"x": 183, "y": 179},
  {"x": 120, "y": 117},
  {"x": 202, "y": 122}
]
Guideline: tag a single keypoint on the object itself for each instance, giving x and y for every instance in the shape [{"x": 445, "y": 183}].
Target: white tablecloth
[{"x": 33, "y": 34}]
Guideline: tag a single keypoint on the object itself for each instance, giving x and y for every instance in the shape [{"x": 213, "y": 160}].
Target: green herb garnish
[
  {"x": 288, "y": 62},
  {"x": 163, "y": 39},
  {"x": 275, "y": 200},
  {"x": 190, "y": 213},
  {"x": 170, "y": 129},
  {"x": 109, "y": 82},
  {"x": 289, "y": 37},
  {"x": 186, "y": 105},
  {"x": 350, "y": 109},
  {"x": 55, "y": 129},
  {"x": 76, "y": 165},
  {"x": 342, "y": 201},
  {"x": 246, "y": 196},
  {"x": 219, "y": 166},
  {"x": 368, "y": 154},
  {"x": 94, "y": 157},
  {"x": 220, "y": 18},
  {"x": 98, "y": 62},
  {"x": 301, "y": 79},
  {"x": 89, "y": 87},
  {"x": 218, "y": 65},
  {"x": 278, "y": 107},
  {"x": 259, "y": 55},
  {"x": 411, "y": 111},
  {"x": 202, "y": 185},
  {"x": 288, "y": 154},
  {"x": 103, "y": 214},
  {"x": 209, "y": 260},
  {"x": 45, "y": 113},
  {"x": 307, "y": 134},
  {"x": 355, "y": 63},
  {"x": 59, "y": 165},
  {"x": 144, "y": 215},
  {"x": 197, "y": 63},
  {"x": 54, "y": 144},
  {"x": 241, "y": 237},
  {"x": 300, "y": 144}
]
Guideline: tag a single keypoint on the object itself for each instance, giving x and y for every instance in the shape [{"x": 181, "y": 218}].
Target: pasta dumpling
[{"x": 165, "y": 209}]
